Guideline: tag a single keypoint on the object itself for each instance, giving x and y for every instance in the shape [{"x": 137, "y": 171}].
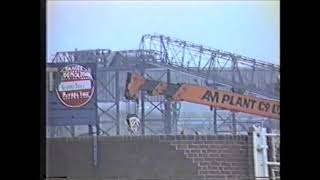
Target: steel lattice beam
[
  {"x": 97, "y": 55},
  {"x": 209, "y": 63}
]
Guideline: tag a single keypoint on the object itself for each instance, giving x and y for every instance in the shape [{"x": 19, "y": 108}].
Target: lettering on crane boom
[{"x": 242, "y": 102}]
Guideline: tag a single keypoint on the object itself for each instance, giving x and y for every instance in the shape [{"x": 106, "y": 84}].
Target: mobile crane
[{"x": 202, "y": 95}]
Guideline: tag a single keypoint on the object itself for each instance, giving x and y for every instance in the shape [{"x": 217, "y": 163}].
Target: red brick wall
[
  {"x": 187, "y": 157},
  {"x": 217, "y": 157}
]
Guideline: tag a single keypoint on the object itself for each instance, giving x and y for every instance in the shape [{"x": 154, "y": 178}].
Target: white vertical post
[
  {"x": 260, "y": 155},
  {"x": 50, "y": 71}
]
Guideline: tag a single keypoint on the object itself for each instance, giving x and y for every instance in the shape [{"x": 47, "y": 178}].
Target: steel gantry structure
[
  {"x": 210, "y": 64},
  {"x": 216, "y": 68},
  {"x": 167, "y": 59}
]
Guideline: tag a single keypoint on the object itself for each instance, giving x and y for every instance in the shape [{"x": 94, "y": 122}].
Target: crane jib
[{"x": 242, "y": 102}]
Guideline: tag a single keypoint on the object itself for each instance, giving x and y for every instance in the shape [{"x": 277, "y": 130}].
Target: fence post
[{"x": 260, "y": 155}]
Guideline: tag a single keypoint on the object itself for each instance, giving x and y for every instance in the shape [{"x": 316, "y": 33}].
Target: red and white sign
[{"x": 76, "y": 87}]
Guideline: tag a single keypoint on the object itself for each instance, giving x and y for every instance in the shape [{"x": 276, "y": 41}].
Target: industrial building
[{"x": 167, "y": 59}]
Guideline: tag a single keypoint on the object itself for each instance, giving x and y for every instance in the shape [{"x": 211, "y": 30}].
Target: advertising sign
[
  {"x": 71, "y": 94},
  {"x": 76, "y": 87},
  {"x": 230, "y": 101}
]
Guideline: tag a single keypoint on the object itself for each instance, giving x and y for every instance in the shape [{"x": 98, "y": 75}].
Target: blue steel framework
[{"x": 173, "y": 55}]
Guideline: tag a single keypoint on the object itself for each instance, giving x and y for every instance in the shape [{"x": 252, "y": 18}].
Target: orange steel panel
[
  {"x": 159, "y": 89},
  {"x": 135, "y": 84}
]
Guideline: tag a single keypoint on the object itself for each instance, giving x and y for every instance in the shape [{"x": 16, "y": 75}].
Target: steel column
[
  {"x": 143, "y": 94},
  {"x": 175, "y": 117},
  {"x": 167, "y": 110},
  {"x": 215, "y": 121},
  {"x": 234, "y": 123},
  {"x": 72, "y": 130},
  {"x": 90, "y": 130},
  {"x": 52, "y": 131},
  {"x": 117, "y": 88}
]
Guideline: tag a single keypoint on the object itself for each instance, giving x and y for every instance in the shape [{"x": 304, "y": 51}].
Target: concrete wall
[{"x": 151, "y": 157}]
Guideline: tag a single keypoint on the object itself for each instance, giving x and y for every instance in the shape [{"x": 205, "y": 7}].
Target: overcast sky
[{"x": 249, "y": 28}]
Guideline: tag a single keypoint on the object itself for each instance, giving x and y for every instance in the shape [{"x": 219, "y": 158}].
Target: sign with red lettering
[{"x": 76, "y": 86}]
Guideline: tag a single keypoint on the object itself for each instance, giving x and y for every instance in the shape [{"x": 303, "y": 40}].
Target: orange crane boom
[{"x": 202, "y": 95}]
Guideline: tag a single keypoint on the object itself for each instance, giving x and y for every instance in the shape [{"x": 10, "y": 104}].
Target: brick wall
[
  {"x": 217, "y": 157},
  {"x": 187, "y": 157}
]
